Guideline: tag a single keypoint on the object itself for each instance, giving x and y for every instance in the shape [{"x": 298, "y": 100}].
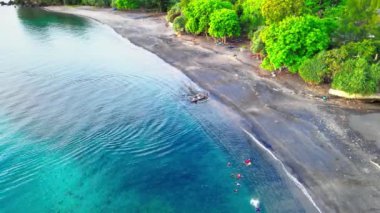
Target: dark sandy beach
[{"x": 332, "y": 147}]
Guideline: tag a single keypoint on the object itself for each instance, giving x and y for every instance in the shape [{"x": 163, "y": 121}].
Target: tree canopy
[
  {"x": 293, "y": 40},
  {"x": 198, "y": 13},
  {"x": 224, "y": 23},
  {"x": 276, "y": 10}
]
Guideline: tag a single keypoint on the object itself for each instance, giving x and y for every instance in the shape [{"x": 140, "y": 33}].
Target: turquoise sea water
[{"x": 92, "y": 123}]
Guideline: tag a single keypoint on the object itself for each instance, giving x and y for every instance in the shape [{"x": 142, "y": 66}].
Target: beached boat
[{"x": 199, "y": 97}]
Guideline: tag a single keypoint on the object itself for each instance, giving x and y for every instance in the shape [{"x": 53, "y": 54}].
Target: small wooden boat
[{"x": 199, "y": 97}]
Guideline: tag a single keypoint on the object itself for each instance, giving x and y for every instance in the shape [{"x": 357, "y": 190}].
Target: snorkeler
[
  {"x": 255, "y": 203},
  {"x": 248, "y": 162}
]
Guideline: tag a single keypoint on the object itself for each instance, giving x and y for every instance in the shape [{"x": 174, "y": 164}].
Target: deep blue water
[{"x": 91, "y": 123}]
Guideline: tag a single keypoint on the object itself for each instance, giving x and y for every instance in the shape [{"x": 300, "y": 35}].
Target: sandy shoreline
[{"x": 334, "y": 152}]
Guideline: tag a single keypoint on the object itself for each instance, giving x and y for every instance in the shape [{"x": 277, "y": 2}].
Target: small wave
[
  {"x": 294, "y": 179},
  {"x": 254, "y": 202}
]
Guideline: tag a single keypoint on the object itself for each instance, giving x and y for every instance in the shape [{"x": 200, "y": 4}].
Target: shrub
[
  {"x": 316, "y": 6},
  {"x": 179, "y": 24},
  {"x": 257, "y": 44},
  {"x": 276, "y": 10},
  {"x": 366, "y": 49},
  {"x": 198, "y": 12},
  {"x": 251, "y": 18},
  {"x": 224, "y": 23},
  {"x": 173, "y": 13},
  {"x": 97, "y": 3},
  {"x": 266, "y": 64},
  {"x": 124, "y": 4},
  {"x": 184, "y": 3},
  {"x": 314, "y": 70},
  {"x": 358, "y": 76},
  {"x": 294, "y": 40}
]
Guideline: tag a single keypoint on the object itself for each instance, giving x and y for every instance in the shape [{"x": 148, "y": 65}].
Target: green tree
[
  {"x": 293, "y": 40},
  {"x": 224, "y": 23},
  {"x": 276, "y": 10},
  {"x": 359, "y": 20},
  {"x": 198, "y": 12},
  {"x": 250, "y": 17}
]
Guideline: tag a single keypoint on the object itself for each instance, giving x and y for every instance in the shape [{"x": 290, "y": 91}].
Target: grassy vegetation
[{"x": 324, "y": 41}]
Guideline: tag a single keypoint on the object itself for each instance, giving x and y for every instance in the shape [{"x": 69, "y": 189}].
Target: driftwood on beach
[{"x": 339, "y": 93}]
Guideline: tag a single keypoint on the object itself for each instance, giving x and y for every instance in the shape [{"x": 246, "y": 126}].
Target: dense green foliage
[
  {"x": 257, "y": 44},
  {"x": 97, "y": 3},
  {"x": 335, "y": 58},
  {"x": 161, "y": 5},
  {"x": 353, "y": 68},
  {"x": 198, "y": 14},
  {"x": 224, "y": 23},
  {"x": 293, "y": 40},
  {"x": 276, "y": 10},
  {"x": 179, "y": 24},
  {"x": 358, "y": 76},
  {"x": 313, "y": 70},
  {"x": 173, "y": 13},
  {"x": 359, "y": 20},
  {"x": 319, "y": 39},
  {"x": 124, "y": 4},
  {"x": 250, "y": 15},
  {"x": 318, "y": 6}
]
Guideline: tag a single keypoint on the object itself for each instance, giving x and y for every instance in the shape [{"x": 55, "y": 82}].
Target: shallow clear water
[{"x": 92, "y": 123}]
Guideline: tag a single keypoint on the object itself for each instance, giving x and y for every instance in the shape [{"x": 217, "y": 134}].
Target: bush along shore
[
  {"x": 335, "y": 42},
  {"x": 332, "y": 42}
]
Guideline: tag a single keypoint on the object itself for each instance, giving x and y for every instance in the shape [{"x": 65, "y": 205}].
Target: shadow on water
[{"x": 40, "y": 20}]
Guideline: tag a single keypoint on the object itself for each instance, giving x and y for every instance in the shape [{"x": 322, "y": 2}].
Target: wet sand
[{"x": 326, "y": 146}]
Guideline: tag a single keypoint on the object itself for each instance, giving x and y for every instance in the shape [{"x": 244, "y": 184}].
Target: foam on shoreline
[{"x": 294, "y": 179}]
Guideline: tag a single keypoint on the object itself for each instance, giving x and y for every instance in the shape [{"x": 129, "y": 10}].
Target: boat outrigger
[{"x": 199, "y": 97}]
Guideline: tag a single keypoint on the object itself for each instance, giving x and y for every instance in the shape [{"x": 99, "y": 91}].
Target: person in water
[
  {"x": 238, "y": 176},
  {"x": 248, "y": 162}
]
